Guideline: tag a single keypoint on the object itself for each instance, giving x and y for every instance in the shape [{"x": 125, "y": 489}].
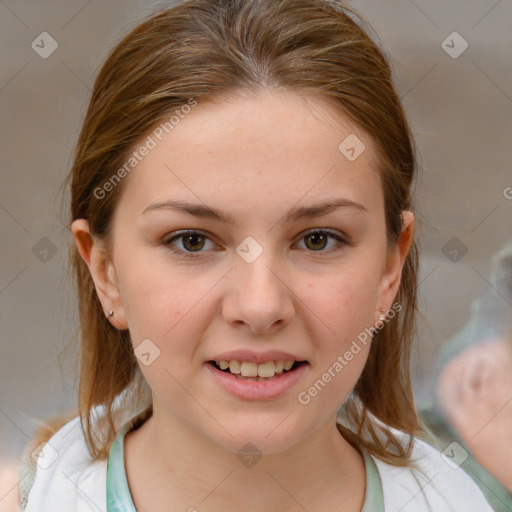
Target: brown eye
[
  {"x": 318, "y": 240},
  {"x": 191, "y": 242}
]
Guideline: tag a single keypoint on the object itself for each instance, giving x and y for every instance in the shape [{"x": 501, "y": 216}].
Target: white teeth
[
  {"x": 247, "y": 369},
  {"x": 234, "y": 367},
  {"x": 266, "y": 369}
]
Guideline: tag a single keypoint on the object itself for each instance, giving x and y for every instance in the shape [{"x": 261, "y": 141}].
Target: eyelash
[{"x": 333, "y": 234}]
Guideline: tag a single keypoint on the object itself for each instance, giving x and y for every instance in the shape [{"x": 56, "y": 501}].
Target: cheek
[
  {"x": 173, "y": 309},
  {"x": 158, "y": 299},
  {"x": 345, "y": 309},
  {"x": 343, "y": 303}
]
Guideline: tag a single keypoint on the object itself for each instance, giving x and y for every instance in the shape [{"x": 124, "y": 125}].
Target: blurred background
[{"x": 451, "y": 62}]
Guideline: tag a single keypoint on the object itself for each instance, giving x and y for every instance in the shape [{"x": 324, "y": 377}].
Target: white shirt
[{"x": 68, "y": 481}]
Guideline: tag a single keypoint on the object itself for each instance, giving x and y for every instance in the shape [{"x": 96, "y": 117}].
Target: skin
[
  {"x": 310, "y": 302},
  {"x": 475, "y": 391}
]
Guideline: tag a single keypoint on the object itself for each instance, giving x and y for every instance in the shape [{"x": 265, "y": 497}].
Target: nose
[{"x": 259, "y": 296}]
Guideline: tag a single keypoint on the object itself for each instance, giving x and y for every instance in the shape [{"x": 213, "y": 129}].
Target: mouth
[{"x": 250, "y": 371}]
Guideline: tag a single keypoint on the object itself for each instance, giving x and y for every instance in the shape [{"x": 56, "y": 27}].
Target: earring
[
  {"x": 382, "y": 316},
  {"x": 110, "y": 313}
]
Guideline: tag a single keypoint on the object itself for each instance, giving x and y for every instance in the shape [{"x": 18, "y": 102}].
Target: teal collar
[
  {"x": 119, "y": 498},
  {"x": 373, "y": 497}
]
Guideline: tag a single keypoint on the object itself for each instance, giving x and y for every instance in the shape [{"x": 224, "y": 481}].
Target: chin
[{"x": 258, "y": 437}]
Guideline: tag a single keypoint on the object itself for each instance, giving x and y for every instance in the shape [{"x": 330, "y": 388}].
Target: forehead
[{"x": 253, "y": 149}]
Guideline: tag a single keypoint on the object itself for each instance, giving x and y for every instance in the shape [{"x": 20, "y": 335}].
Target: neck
[{"x": 190, "y": 470}]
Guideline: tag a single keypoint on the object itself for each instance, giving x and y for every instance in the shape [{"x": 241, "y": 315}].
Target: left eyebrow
[
  {"x": 293, "y": 215},
  {"x": 317, "y": 210}
]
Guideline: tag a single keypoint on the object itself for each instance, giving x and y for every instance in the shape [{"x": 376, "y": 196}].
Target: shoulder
[
  {"x": 66, "y": 477},
  {"x": 440, "y": 484}
]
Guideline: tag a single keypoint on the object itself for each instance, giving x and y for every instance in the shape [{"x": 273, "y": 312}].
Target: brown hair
[{"x": 204, "y": 50}]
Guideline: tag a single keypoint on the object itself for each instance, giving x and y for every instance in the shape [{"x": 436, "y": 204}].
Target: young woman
[{"x": 246, "y": 271}]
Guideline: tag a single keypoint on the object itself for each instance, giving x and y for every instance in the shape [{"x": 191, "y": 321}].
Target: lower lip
[{"x": 257, "y": 389}]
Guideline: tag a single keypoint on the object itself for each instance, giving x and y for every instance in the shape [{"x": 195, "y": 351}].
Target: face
[{"x": 270, "y": 280}]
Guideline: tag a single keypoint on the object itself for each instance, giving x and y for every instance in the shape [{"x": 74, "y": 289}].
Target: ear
[
  {"x": 102, "y": 272},
  {"x": 395, "y": 259}
]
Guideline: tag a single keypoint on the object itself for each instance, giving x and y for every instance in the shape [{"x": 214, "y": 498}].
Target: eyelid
[
  {"x": 340, "y": 237},
  {"x": 332, "y": 232},
  {"x": 176, "y": 235}
]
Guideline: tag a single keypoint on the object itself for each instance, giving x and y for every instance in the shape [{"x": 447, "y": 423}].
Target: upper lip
[{"x": 256, "y": 357}]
